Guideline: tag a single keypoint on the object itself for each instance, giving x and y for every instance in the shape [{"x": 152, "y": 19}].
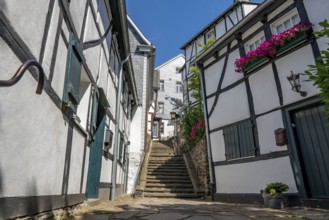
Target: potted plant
[{"x": 273, "y": 196}]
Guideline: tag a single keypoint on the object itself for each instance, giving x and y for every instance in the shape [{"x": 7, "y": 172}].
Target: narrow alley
[{"x": 176, "y": 209}]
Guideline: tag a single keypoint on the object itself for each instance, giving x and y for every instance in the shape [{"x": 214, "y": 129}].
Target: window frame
[
  {"x": 161, "y": 85},
  {"x": 162, "y": 109},
  {"x": 179, "y": 85},
  {"x": 236, "y": 137},
  {"x": 252, "y": 42},
  {"x": 283, "y": 19}
]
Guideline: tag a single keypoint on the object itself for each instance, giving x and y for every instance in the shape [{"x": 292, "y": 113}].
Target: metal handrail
[{"x": 19, "y": 73}]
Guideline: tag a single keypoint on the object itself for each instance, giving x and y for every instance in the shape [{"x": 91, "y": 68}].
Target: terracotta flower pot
[{"x": 274, "y": 202}]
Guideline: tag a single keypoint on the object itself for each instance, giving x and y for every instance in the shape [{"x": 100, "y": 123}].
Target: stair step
[
  {"x": 164, "y": 170},
  {"x": 179, "y": 181},
  {"x": 148, "y": 177},
  {"x": 156, "y": 173},
  {"x": 169, "y": 190},
  {"x": 169, "y": 185},
  {"x": 172, "y": 195}
]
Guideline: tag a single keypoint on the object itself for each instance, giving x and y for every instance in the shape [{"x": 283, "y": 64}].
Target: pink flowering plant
[
  {"x": 269, "y": 48},
  {"x": 197, "y": 131}
]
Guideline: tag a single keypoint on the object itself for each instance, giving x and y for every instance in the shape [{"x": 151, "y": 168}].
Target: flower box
[
  {"x": 254, "y": 64},
  {"x": 300, "y": 38}
]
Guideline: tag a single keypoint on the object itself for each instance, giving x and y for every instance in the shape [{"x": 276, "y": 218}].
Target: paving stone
[
  {"x": 203, "y": 217},
  {"x": 125, "y": 214},
  {"x": 165, "y": 216}
]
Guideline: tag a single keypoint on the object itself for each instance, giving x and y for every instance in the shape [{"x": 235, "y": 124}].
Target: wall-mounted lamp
[
  {"x": 294, "y": 81},
  {"x": 173, "y": 115}
]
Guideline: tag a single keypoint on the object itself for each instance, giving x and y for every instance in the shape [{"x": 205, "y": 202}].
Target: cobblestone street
[{"x": 176, "y": 209}]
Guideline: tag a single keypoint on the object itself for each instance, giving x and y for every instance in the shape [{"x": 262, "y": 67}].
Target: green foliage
[
  {"x": 210, "y": 42},
  {"x": 319, "y": 73},
  {"x": 194, "y": 83},
  {"x": 274, "y": 188},
  {"x": 193, "y": 116}
]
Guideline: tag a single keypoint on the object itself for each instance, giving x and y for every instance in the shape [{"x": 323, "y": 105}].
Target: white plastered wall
[
  {"x": 266, "y": 125},
  {"x": 232, "y": 106},
  {"x": 296, "y": 62},
  {"x": 235, "y": 178}
]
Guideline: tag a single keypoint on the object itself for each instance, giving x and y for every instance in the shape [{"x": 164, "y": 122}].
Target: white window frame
[
  {"x": 179, "y": 87},
  {"x": 161, "y": 85},
  {"x": 255, "y": 42},
  {"x": 161, "y": 110},
  {"x": 282, "y": 20}
]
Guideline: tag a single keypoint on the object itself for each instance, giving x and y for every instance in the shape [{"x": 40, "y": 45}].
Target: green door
[
  {"x": 96, "y": 148},
  {"x": 312, "y": 137}
]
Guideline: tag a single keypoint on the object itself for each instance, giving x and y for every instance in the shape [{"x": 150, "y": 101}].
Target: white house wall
[
  {"x": 60, "y": 67},
  {"x": 266, "y": 96},
  {"x": 50, "y": 43},
  {"x": 36, "y": 17},
  {"x": 280, "y": 9},
  {"x": 297, "y": 62},
  {"x": 218, "y": 146},
  {"x": 76, "y": 163},
  {"x": 254, "y": 176},
  {"x": 316, "y": 13},
  {"x": 212, "y": 76},
  {"x": 230, "y": 75},
  {"x": 267, "y": 124},
  {"x": 229, "y": 110}
]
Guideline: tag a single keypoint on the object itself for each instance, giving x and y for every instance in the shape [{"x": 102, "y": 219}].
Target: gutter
[{"x": 120, "y": 7}]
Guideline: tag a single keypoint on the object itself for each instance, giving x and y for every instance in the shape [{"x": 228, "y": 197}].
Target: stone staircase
[{"x": 167, "y": 175}]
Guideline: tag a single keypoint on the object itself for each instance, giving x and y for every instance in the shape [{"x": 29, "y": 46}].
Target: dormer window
[{"x": 286, "y": 22}]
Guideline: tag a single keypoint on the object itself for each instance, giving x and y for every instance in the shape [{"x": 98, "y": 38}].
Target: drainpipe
[
  {"x": 205, "y": 110},
  {"x": 116, "y": 137}
]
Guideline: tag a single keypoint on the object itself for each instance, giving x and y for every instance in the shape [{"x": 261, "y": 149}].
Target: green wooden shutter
[
  {"x": 246, "y": 139},
  {"x": 73, "y": 73},
  {"x": 239, "y": 140}
]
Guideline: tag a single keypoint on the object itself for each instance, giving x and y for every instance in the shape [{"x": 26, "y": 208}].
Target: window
[
  {"x": 161, "y": 85},
  {"x": 121, "y": 148},
  {"x": 286, "y": 23},
  {"x": 239, "y": 140},
  {"x": 161, "y": 107},
  {"x": 254, "y": 43},
  {"x": 178, "y": 87},
  {"x": 177, "y": 70},
  {"x": 73, "y": 74},
  {"x": 162, "y": 128},
  {"x": 210, "y": 34}
]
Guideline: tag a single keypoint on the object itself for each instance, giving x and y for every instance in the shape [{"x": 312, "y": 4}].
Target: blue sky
[{"x": 168, "y": 24}]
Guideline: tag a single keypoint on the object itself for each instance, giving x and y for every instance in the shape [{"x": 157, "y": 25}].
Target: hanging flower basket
[
  {"x": 254, "y": 64},
  {"x": 298, "y": 39},
  {"x": 277, "y": 44}
]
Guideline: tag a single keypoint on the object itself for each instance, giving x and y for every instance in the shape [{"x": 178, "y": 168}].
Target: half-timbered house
[
  {"x": 259, "y": 129},
  {"x": 70, "y": 142}
]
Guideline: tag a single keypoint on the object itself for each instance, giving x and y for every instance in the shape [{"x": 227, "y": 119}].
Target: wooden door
[
  {"x": 312, "y": 138},
  {"x": 96, "y": 148}
]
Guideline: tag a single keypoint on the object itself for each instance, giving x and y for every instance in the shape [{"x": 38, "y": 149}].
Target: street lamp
[{"x": 294, "y": 81}]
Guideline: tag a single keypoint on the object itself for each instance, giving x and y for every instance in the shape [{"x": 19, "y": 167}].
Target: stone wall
[{"x": 200, "y": 157}]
